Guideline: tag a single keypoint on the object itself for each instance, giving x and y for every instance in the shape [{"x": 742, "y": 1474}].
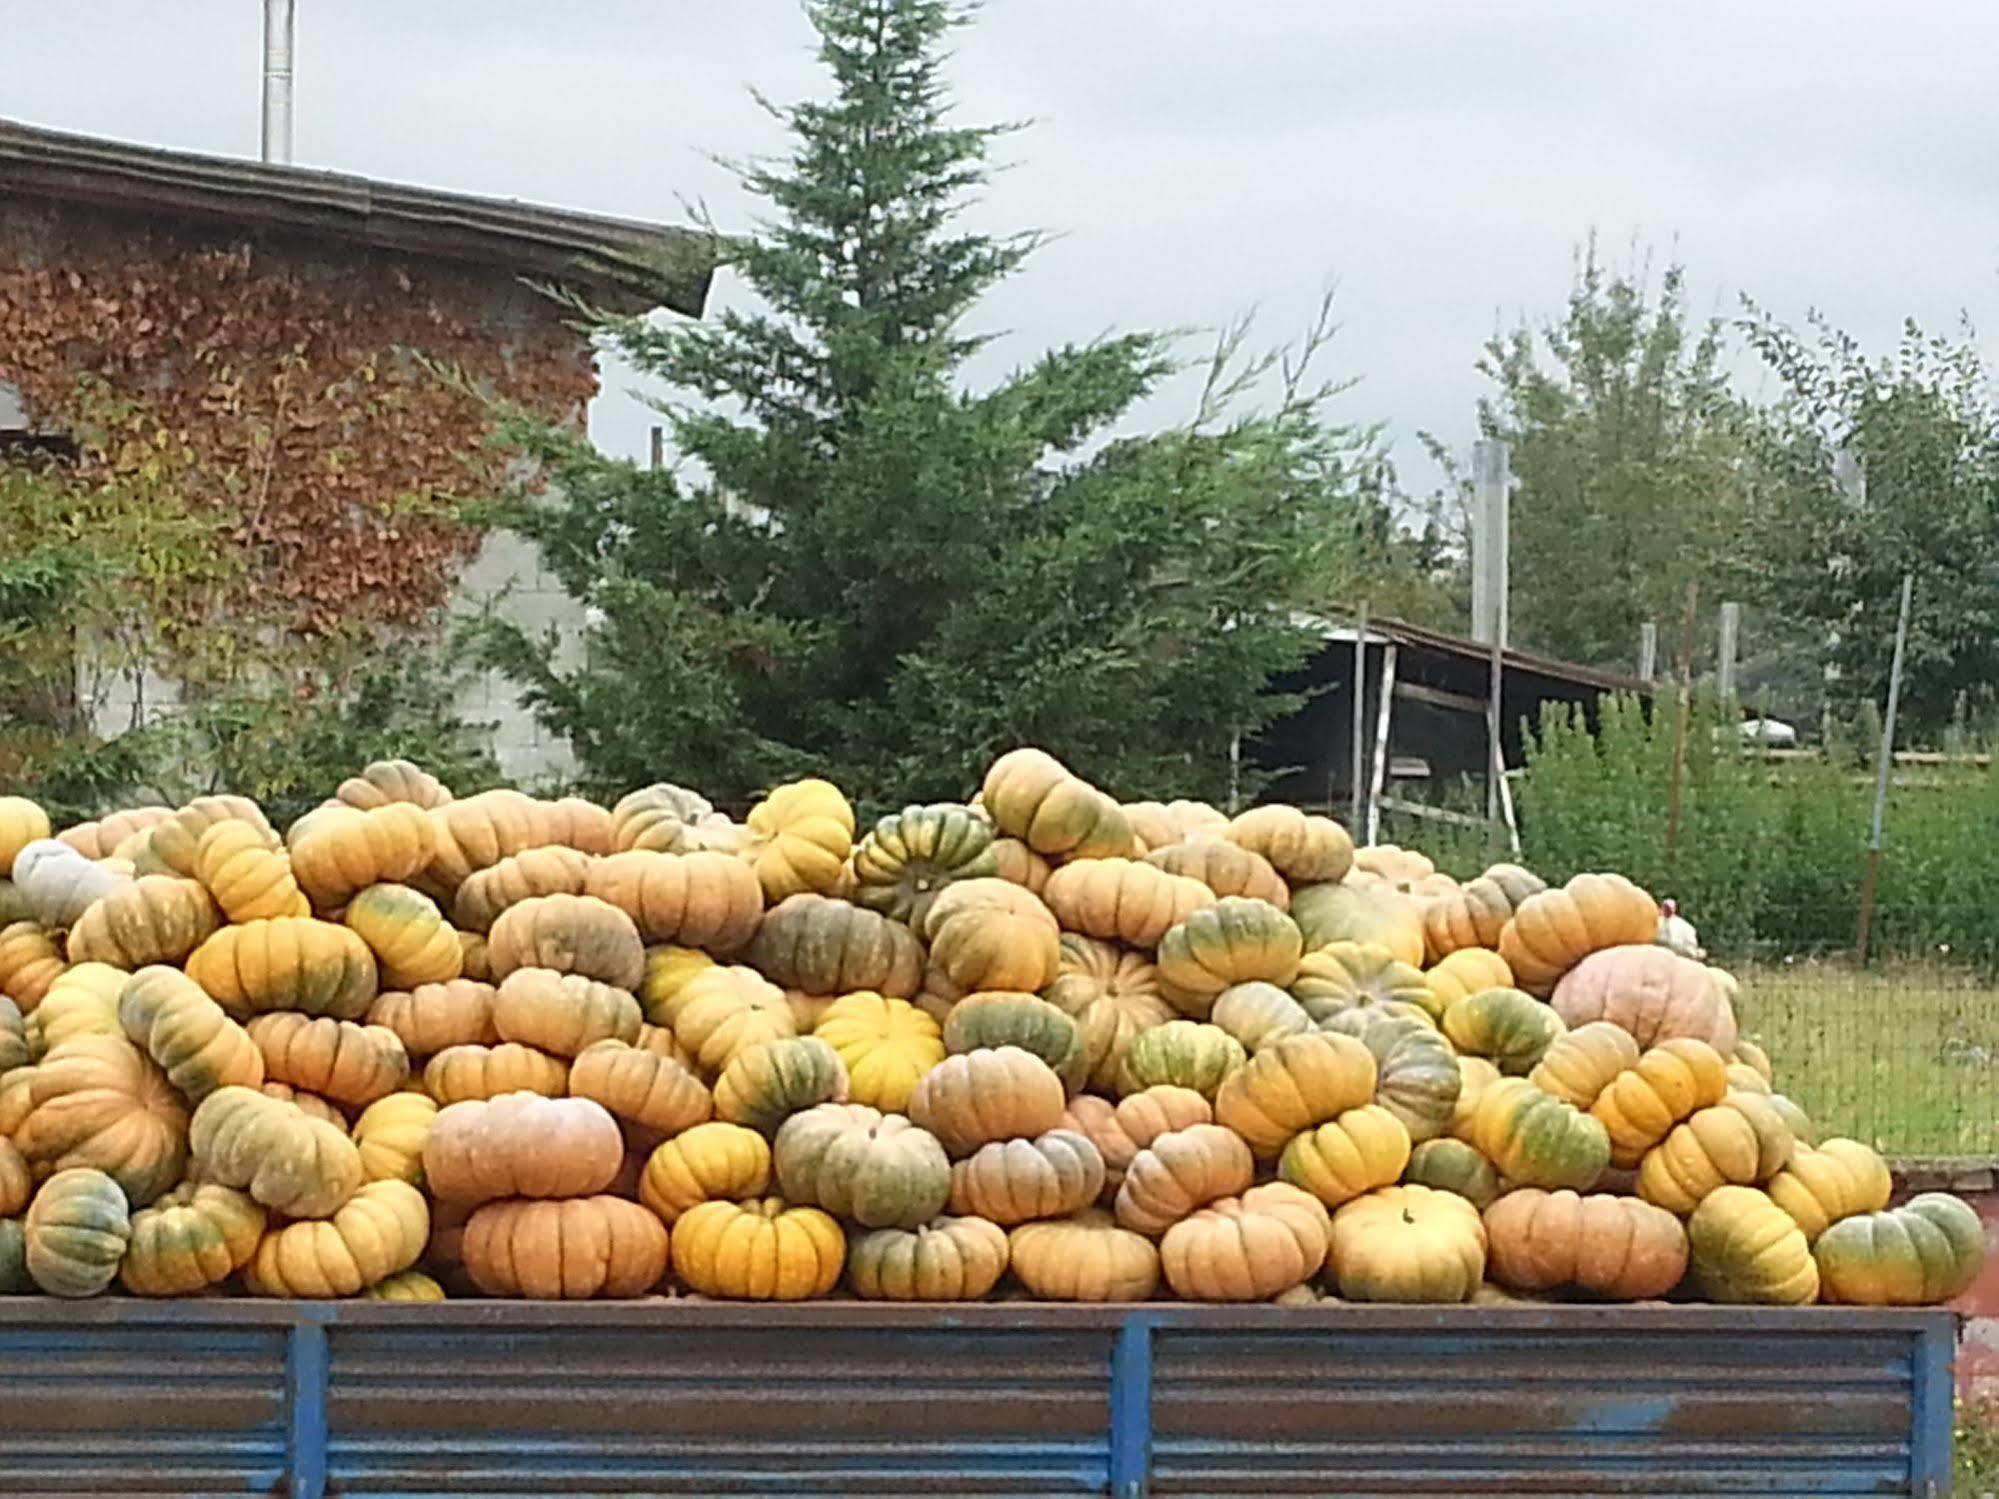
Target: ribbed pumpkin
[
  {"x": 1121, "y": 1130},
  {"x": 1247, "y": 1248},
  {"x": 521, "y": 1145},
  {"x": 766, "y": 1084},
  {"x": 1257, "y": 1014},
  {"x": 1000, "y": 1018},
  {"x": 1416, "y": 1073},
  {"x": 287, "y": 963},
  {"x": 1185, "y": 1053},
  {"x": 570, "y": 934},
  {"x": 1924, "y": 1252},
  {"x": 76, "y": 1232},
  {"x": 1032, "y": 796},
  {"x": 1014, "y": 1181},
  {"x": 1795, "y": 1119},
  {"x": 461, "y": 1073},
  {"x": 412, "y": 942},
  {"x": 715, "y": 1161},
  {"x": 1538, "y": 1141},
  {"x": 410, "y": 1285},
  {"x": 17, "y": 1183},
  {"x": 819, "y": 945},
  {"x": 1343, "y": 974},
  {"x": 579, "y": 823},
  {"x": 168, "y": 1016},
  {"x": 1653, "y": 993},
  {"x": 641, "y": 1088},
  {"x": 21, "y": 823},
  {"x": 171, "y": 845},
  {"x": 1743, "y": 1248},
  {"x": 1231, "y": 942},
  {"x": 552, "y": 870},
  {"x": 158, "y": 918},
  {"x": 1365, "y": 1147},
  {"x": 350, "y": 1064},
  {"x": 1001, "y": 1093},
  {"x": 1832, "y": 1181},
  {"x": 57, "y": 883},
  {"x": 1225, "y": 868},
  {"x": 390, "y": 1135},
  {"x": 874, "y": 1169},
  {"x": 83, "y": 1001},
  {"x": 759, "y": 1250},
  {"x": 1579, "y": 1064},
  {"x": 1180, "y": 1171},
  {"x": 561, "y": 1013},
  {"x": 989, "y": 934},
  {"x": 720, "y": 1011},
  {"x": 1112, "y": 995},
  {"x": 476, "y": 832},
  {"x": 14, "y": 1048},
  {"x": 949, "y": 1259},
  {"x": 1665, "y": 1085},
  {"x": 702, "y": 899},
  {"x": 97, "y": 1101},
  {"x": 433, "y": 1017},
  {"x": 1408, "y": 1244},
  {"x": 1088, "y": 1257},
  {"x": 378, "y": 1232},
  {"x": 1019, "y": 865},
  {"x": 1615, "y": 1247},
  {"x": 571, "y": 1250},
  {"x": 1453, "y": 1166},
  {"x": 29, "y": 963},
  {"x": 1304, "y": 848},
  {"x": 911, "y": 855},
  {"x": 474, "y": 965},
  {"x": 1475, "y": 913},
  {"x": 383, "y": 781},
  {"x": 95, "y": 840},
  {"x": 1123, "y": 900},
  {"x": 1511, "y": 1029},
  {"x": 800, "y": 836},
  {"x": 1476, "y": 1077},
  {"x": 286, "y": 1159},
  {"x": 1467, "y": 971},
  {"x": 193, "y": 1238},
  {"x": 660, "y": 817},
  {"x": 1740, "y": 1141},
  {"x": 1554, "y": 930},
  {"x": 1293, "y": 1084},
  {"x": 1375, "y": 914},
  {"x": 1753, "y": 1056},
  {"x": 340, "y": 850},
  {"x": 309, "y": 1103},
  {"x": 248, "y": 878},
  {"x": 14, "y": 1277},
  {"x": 885, "y": 1044}
]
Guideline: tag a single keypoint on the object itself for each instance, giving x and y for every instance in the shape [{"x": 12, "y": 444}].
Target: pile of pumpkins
[{"x": 1042, "y": 1043}]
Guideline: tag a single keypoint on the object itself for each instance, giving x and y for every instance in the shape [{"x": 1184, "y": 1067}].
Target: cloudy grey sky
[{"x": 1441, "y": 158}]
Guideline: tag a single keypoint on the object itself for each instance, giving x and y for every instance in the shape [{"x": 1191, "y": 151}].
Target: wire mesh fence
[{"x": 1900, "y": 1055}]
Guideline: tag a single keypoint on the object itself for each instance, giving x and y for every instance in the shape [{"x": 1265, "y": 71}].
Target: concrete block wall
[{"x": 507, "y": 576}]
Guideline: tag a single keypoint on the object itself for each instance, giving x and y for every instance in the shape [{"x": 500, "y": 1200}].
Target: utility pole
[
  {"x": 280, "y": 47},
  {"x": 1731, "y": 635},
  {"x": 1491, "y": 485}
]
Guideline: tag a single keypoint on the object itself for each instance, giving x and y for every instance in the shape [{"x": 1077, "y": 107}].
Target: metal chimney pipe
[{"x": 280, "y": 35}]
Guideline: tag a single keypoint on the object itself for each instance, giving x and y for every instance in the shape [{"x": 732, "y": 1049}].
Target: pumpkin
[
  {"x": 339, "y": 851},
  {"x": 350, "y": 1064},
  {"x": 158, "y": 918},
  {"x": 58, "y": 884},
  {"x": 411, "y": 941},
  {"x": 378, "y": 1232},
  {"x": 1393, "y": 864},
  {"x": 171, "y": 845},
  {"x": 988, "y": 934},
  {"x": 1121, "y": 1130},
  {"x": 98, "y": 1101},
  {"x": 1032, "y": 796},
  {"x": 550, "y": 870},
  {"x": 1665, "y": 1085},
  {"x": 473, "y": 964},
  {"x": 285, "y": 1158},
  {"x": 759, "y": 1250},
  {"x": 659, "y": 817},
  {"x": 1247, "y": 1248},
  {"x": 877, "y": 1170},
  {"x": 1365, "y": 1147},
  {"x": 383, "y": 781},
  {"x": 642, "y": 1088},
  {"x": 1554, "y": 930},
  {"x": 800, "y": 836},
  {"x": 568, "y": 934},
  {"x": 1741, "y": 1140},
  {"x": 1230, "y": 942},
  {"x": 521, "y": 1145},
  {"x": 819, "y": 945},
  {"x": 1185, "y": 1053},
  {"x": 1538, "y": 1141},
  {"x": 1746, "y": 1079},
  {"x": 1225, "y": 868},
  {"x": 1014, "y": 1181},
  {"x": 1742, "y": 1247},
  {"x": 14, "y": 1277},
  {"x": 885, "y": 1045},
  {"x": 1750, "y": 1055},
  {"x": 1257, "y": 1014},
  {"x": 1303, "y": 848},
  {"x": 1408, "y": 1243},
  {"x": 410, "y": 1285},
  {"x": 286, "y": 963},
  {"x": 1927, "y": 1251},
  {"x": 1416, "y": 1075},
  {"x": 668, "y": 971},
  {"x": 1615, "y": 1247},
  {"x": 908, "y": 857},
  {"x": 1795, "y": 1119},
  {"x": 390, "y": 1135},
  {"x": 248, "y": 878},
  {"x": 721, "y": 1011},
  {"x": 561, "y": 1013},
  {"x": 580, "y": 824},
  {"x": 571, "y": 1250},
  {"x": 21, "y": 823},
  {"x": 14, "y": 1048},
  {"x": 433, "y": 1017},
  {"x": 702, "y": 899},
  {"x": 83, "y": 1001},
  {"x": 1835, "y": 1180},
  {"x": 76, "y": 1232},
  {"x": 1087, "y": 1257},
  {"x": 166, "y": 1014},
  {"x": 706, "y": 1163},
  {"x": 1376, "y": 915},
  {"x": 1019, "y": 865},
  {"x": 29, "y": 963},
  {"x": 95, "y": 840},
  {"x": 1180, "y": 1171},
  {"x": 1293, "y": 1084},
  {"x": 1475, "y": 913},
  {"x": 950, "y": 1259},
  {"x": 1510, "y": 1028},
  {"x": 473, "y": 833},
  {"x": 310, "y": 1103},
  {"x": 1579, "y": 1064},
  {"x": 1467, "y": 971},
  {"x": 1342, "y": 974},
  {"x": 765, "y": 1084},
  {"x": 1453, "y": 1166},
  {"x": 1000, "y": 1018},
  {"x": 1653, "y": 993},
  {"x": 17, "y": 1183},
  {"x": 1111, "y": 994},
  {"x": 1000, "y": 1093},
  {"x": 192, "y": 1239},
  {"x": 461, "y": 1073},
  {"x": 1153, "y": 824},
  {"x": 1123, "y": 900}
]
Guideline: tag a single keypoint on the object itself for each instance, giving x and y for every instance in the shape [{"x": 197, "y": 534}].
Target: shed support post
[
  {"x": 1131, "y": 1409},
  {"x": 1380, "y": 776},
  {"x": 306, "y": 1367}
]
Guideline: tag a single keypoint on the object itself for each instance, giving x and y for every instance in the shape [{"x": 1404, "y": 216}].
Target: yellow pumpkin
[
  {"x": 1741, "y": 1141},
  {"x": 1834, "y": 1180},
  {"x": 459, "y": 1073},
  {"x": 383, "y": 781},
  {"x": 1924, "y": 1252},
  {"x": 21, "y": 823},
  {"x": 389, "y": 1136},
  {"x": 717, "y": 1161},
  {"x": 473, "y": 833},
  {"x": 1340, "y": 975},
  {"x": 800, "y": 836},
  {"x": 1087, "y": 1257},
  {"x": 171, "y": 845},
  {"x": 1112, "y": 994},
  {"x": 1467, "y": 971},
  {"x": 1669, "y": 1083},
  {"x": 1258, "y": 1014},
  {"x": 1247, "y": 1248},
  {"x": 99, "y": 1102},
  {"x": 1363, "y": 1148},
  {"x": 338, "y": 851},
  {"x": 1304, "y": 848},
  {"x": 82, "y": 1001},
  {"x": 1032, "y": 796},
  {"x": 410, "y": 1285},
  {"x": 1742, "y": 1247},
  {"x": 758, "y": 1250},
  {"x": 1473, "y": 915},
  {"x": 192, "y": 1239},
  {"x": 249, "y": 879},
  {"x": 1408, "y": 1243},
  {"x": 1293, "y": 1084},
  {"x": 1579, "y": 1064},
  {"x": 886, "y": 1044},
  {"x": 1231, "y": 942},
  {"x": 1509, "y": 1026},
  {"x": 990, "y": 934},
  {"x": 378, "y": 1232},
  {"x": 412, "y": 942},
  {"x": 722, "y": 1010},
  {"x": 765, "y": 1084},
  {"x": 1536, "y": 1140},
  {"x": 157, "y": 918},
  {"x": 286, "y": 963},
  {"x": 186, "y": 1033}
]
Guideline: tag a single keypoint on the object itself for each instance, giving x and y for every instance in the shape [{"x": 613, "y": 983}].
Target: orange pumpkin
[
  {"x": 432, "y": 1017},
  {"x": 1554, "y": 930},
  {"x": 1293, "y": 1084},
  {"x": 561, "y": 1013},
  {"x": 1652, "y": 992},
  {"x": 383, "y": 781},
  {"x": 1225, "y": 868},
  {"x": 1013, "y": 1181},
  {"x": 286, "y": 963},
  {"x": 989, "y": 934},
  {"x": 1180, "y": 1171},
  {"x": 338, "y": 851},
  {"x": 551, "y": 870},
  {"x": 521, "y": 1145},
  {"x": 337, "y": 1059},
  {"x": 1032, "y": 796},
  {"x": 1247, "y": 1248},
  {"x": 1122, "y": 900},
  {"x": 1002, "y": 1093},
  {"x": 1121, "y": 1130},
  {"x": 1231, "y": 942},
  {"x": 1475, "y": 913},
  {"x": 1615, "y": 1247},
  {"x": 575, "y": 934},
  {"x": 97, "y": 1101},
  {"x": 701, "y": 899},
  {"x": 570, "y": 1250},
  {"x": 157, "y": 918},
  {"x": 1084, "y": 1258},
  {"x": 460, "y": 1073},
  {"x": 640, "y": 1087}
]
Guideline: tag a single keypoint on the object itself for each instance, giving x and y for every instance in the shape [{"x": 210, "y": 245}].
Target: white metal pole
[
  {"x": 280, "y": 38},
  {"x": 1491, "y": 486}
]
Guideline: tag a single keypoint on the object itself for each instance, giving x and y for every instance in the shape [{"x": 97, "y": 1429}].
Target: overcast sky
[{"x": 1441, "y": 158}]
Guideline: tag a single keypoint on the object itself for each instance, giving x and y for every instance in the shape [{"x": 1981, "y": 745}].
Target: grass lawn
[{"x": 1900, "y": 1055}]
